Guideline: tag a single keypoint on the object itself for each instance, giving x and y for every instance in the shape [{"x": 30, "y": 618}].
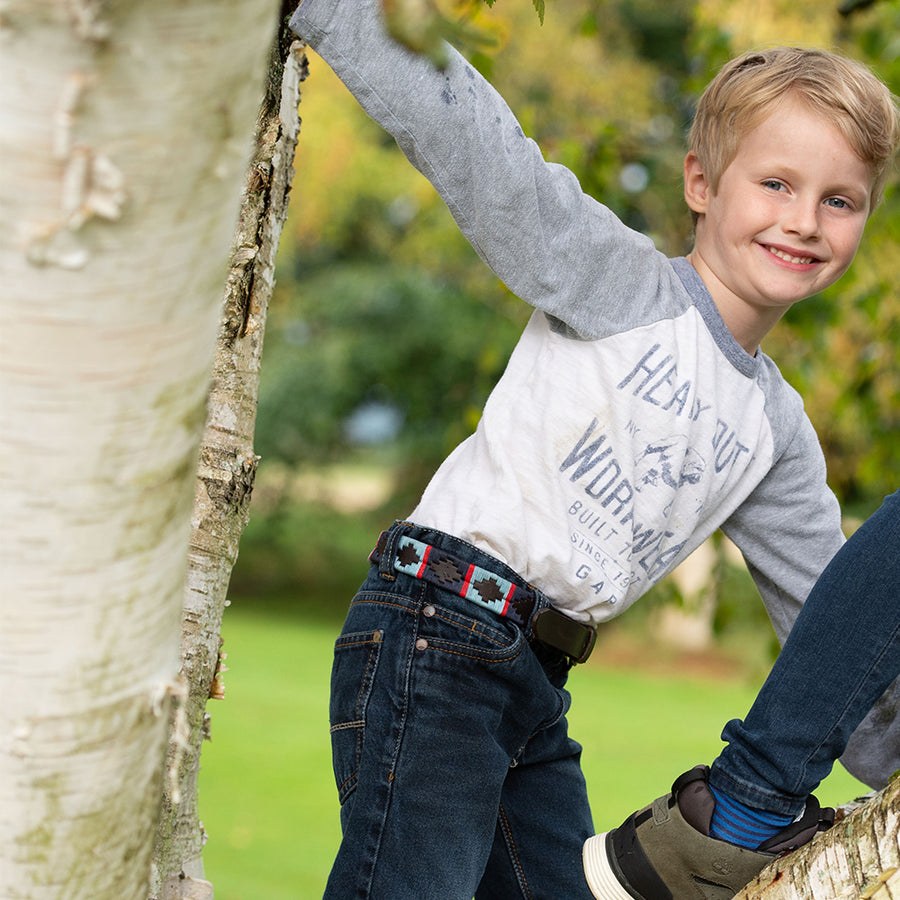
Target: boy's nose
[{"x": 802, "y": 218}]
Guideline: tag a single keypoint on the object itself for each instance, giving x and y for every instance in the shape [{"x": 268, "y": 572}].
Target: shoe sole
[{"x": 599, "y": 874}]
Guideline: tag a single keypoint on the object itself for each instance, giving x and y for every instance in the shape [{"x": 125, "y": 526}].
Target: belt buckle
[{"x": 556, "y": 629}]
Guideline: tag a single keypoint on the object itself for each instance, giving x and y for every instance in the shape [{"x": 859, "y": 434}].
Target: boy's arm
[
  {"x": 789, "y": 528},
  {"x": 553, "y": 245}
]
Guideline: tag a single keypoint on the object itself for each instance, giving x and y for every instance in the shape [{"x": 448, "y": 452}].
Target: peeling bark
[
  {"x": 858, "y": 858},
  {"x": 227, "y": 463}
]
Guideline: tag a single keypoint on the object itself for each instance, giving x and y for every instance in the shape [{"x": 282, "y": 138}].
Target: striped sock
[{"x": 736, "y": 823}]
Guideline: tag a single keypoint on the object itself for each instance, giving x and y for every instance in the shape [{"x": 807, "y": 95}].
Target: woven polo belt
[{"x": 492, "y": 591}]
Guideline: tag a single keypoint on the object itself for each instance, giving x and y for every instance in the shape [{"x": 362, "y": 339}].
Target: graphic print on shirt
[
  {"x": 633, "y": 501},
  {"x": 599, "y": 464}
]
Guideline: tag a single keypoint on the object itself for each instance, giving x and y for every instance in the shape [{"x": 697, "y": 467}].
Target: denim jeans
[
  {"x": 841, "y": 655},
  {"x": 455, "y": 771}
]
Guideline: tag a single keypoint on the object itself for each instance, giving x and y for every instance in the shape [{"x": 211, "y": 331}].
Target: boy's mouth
[{"x": 789, "y": 257}]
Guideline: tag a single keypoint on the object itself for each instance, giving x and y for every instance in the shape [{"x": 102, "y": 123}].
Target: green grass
[{"x": 268, "y": 800}]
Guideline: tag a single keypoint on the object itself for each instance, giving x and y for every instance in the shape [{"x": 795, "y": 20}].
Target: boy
[{"x": 636, "y": 416}]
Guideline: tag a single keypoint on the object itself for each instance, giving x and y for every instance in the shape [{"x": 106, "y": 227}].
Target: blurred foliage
[
  {"x": 394, "y": 343},
  {"x": 383, "y": 309},
  {"x": 424, "y": 25},
  {"x": 381, "y": 301}
]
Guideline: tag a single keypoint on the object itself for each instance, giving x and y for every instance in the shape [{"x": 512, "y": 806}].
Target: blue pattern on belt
[{"x": 479, "y": 585}]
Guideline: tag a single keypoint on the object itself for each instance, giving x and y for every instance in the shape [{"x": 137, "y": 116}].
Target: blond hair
[{"x": 843, "y": 90}]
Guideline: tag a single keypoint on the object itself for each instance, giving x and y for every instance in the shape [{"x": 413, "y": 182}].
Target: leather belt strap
[{"x": 488, "y": 589}]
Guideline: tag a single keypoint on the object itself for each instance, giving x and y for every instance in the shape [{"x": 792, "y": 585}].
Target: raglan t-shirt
[
  {"x": 600, "y": 464},
  {"x": 629, "y": 424}
]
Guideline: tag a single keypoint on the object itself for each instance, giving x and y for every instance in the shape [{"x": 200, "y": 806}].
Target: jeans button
[
  {"x": 428, "y": 611},
  {"x": 421, "y": 644}
]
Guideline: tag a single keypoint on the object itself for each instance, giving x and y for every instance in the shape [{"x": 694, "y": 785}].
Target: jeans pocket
[
  {"x": 459, "y": 628},
  {"x": 352, "y": 676}
]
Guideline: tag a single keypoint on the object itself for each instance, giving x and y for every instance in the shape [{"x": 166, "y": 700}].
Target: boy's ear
[{"x": 696, "y": 185}]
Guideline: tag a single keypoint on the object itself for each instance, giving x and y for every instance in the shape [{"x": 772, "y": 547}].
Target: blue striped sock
[{"x": 736, "y": 823}]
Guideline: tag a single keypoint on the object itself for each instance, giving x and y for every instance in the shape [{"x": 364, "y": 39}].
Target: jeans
[
  {"x": 455, "y": 771},
  {"x": 841, "y": 655}
]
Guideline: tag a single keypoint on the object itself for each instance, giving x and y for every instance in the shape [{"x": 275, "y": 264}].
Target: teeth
[{"x": 791, "y": 259}]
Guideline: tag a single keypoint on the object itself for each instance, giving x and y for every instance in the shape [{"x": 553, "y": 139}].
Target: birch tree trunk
[
  {"x": 227, "y": 464},
  {"x": 124, "y": 132},
  {"x": 858, "y": 858}
]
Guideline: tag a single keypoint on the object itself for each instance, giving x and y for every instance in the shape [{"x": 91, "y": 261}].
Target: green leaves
[
  {"x": 539, "y": 7},
  {"x": 418, "y": 24},
  {"x": 423, "y": 27}
]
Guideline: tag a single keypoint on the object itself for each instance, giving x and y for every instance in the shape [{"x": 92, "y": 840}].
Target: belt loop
[{"x": 387, "y": 546}]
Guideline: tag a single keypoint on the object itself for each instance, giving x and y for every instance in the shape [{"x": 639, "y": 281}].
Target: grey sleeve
[
  {"x": 554, "y": 246},
  {"x": 789, "y": 527},
  {"x": 873, "y": 752}
]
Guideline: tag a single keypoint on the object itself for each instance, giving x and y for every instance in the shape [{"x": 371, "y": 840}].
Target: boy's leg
[
  {"x": 841, "y": 655},
  {"x": 432, "y": 698},
  {"x": 543, "y": 823}
]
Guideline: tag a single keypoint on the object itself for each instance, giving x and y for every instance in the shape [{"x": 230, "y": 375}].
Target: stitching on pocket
[{"x": 363, "y": 674}]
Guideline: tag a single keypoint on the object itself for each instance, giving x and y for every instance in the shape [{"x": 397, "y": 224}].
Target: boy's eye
[
  {"x": 772, "y": 184},
  {"x": 836, "y": 203}
]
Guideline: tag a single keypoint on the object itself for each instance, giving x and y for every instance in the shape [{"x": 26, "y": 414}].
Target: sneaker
[{"x": 664, "y": 851}]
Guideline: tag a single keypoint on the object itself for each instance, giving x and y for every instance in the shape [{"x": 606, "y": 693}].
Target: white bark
[{"x": 124, "y": 131}]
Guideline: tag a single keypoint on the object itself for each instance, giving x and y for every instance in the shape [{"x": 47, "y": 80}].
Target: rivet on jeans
[
  {"x": 421, "y": 644},
  {"x": 428, "y": 611}
]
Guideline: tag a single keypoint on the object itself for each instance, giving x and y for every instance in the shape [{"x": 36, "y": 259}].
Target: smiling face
[{"x": 784, "y": 221}]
